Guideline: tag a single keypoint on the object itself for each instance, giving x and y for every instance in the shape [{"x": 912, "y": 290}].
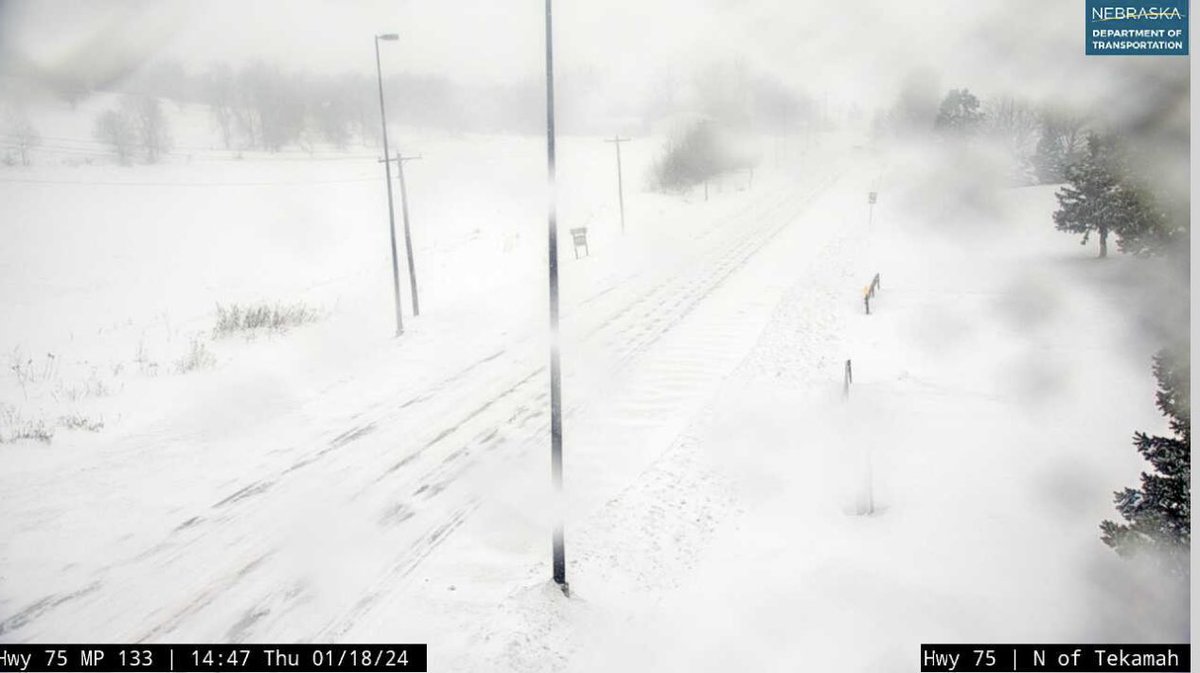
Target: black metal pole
[
  {"x": 556, "y": 429},
  {"x": 387, "y": 167},
  {"x": 412, "y": 269}
]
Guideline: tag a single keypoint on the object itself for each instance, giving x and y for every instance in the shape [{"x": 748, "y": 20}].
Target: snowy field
[{"x": 334, "y": 483}]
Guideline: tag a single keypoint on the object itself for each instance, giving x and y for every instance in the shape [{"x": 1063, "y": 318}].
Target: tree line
[
  {"x": 1106, "y": 192},
  {"x": 263, "y": 107},
  {"x": 1041, "y": 138}
]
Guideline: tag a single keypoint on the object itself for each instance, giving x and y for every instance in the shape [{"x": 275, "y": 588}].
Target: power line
[
  {"x": 56, "y": 150},
  {"x": 97, "y": 146},
  {"x": 100, "y": 183},
  {"x": 221, "y": 155}
]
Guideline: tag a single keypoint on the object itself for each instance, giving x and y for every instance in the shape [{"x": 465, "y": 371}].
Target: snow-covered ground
[{"x": 333, "y": 483}]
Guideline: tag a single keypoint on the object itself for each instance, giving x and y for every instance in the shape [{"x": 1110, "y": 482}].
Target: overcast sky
[
  {"x": 858, "y": 50},
  {"x": 839, "y": 46}
]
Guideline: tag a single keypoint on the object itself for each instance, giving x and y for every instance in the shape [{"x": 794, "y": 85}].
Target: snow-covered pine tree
[
  {"x": 1092, "y": 200},
  {"x": 1159, "y": 514}
]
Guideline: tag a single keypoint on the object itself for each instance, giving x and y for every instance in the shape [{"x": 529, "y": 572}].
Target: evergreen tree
[
  {"x": 1159, "y": 514},
  {"x": 959, "y": 113},
  {"x": 1049, "y": 159},
  {"x": 1153, "y": 222},
  {"x": 1092, "y": 200},
  {"x": 1105, "y": 196}
]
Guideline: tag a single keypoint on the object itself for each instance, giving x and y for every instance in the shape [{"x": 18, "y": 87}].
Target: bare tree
[
  {"x": 1015, "y": 123},
  {"x": 1063, "y": 142},
  {"x": 220, "y": 94},
  {"x": 331, "y": 109},
  {"x": 116, "y": 130},
  {"x": 149, "y": 124},
  {"x": 20, "y": 135},
  {"x": 272, "y": 105}
]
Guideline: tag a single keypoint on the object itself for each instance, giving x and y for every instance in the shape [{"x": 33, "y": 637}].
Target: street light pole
[
  {"x": 556, "y": 460},
  {"x": 387, "y": 168}
]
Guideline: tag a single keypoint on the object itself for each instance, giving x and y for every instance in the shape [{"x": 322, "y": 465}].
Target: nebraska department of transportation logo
[{"x": 1137, "y": 28}]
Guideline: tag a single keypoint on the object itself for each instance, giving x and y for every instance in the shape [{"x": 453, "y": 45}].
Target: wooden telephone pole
[
  {"x": 412, "y": 269},
  {"x": 616, "y": 141}
]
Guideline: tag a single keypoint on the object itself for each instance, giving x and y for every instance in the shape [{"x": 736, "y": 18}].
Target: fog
[
  {"x": 856, "y": 53},
  {"x": 312, "y": 470}
]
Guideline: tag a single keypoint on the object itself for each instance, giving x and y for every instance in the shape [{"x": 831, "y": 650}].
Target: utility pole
[
  {"x": 387, "y": 169},
  {"x": 616, "y": 141},
  {"x": 556, "y": 430},
  {"x": 412, "y": 270}
]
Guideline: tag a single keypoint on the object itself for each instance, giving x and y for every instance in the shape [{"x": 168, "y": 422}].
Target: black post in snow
[{"x": 556, "y": 430}]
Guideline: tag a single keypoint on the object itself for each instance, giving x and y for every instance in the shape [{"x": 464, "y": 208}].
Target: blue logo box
[{"x": 1136, "y": 28}]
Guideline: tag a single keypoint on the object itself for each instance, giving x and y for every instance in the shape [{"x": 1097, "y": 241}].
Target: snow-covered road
[
  {"x": 399, "y": 490},
  {"x": 316, "y": 521}
]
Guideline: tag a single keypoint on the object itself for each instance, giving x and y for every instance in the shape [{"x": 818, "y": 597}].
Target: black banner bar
[
  {"x": 1065, "y": 658},
  {"x": 197, "y": 658}
]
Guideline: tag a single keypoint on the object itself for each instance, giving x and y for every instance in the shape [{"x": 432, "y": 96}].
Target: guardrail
[{"x": 870, "y": 291}]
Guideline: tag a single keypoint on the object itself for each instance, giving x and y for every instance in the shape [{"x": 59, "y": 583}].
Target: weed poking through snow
[
  {"x": 249, "y": 320},
  {"x": 198, "y": 357}
]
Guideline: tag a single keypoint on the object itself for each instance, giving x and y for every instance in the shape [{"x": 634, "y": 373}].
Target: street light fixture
[{"x": 387, "y": 168}]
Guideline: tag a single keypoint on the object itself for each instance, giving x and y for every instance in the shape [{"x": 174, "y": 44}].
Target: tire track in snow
[
  {"x": 670, "y": 304},
  {"x": 636, "y": 325},
  {"x": 662, "y": 307},
  {"x": 661, "y": 486}
]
